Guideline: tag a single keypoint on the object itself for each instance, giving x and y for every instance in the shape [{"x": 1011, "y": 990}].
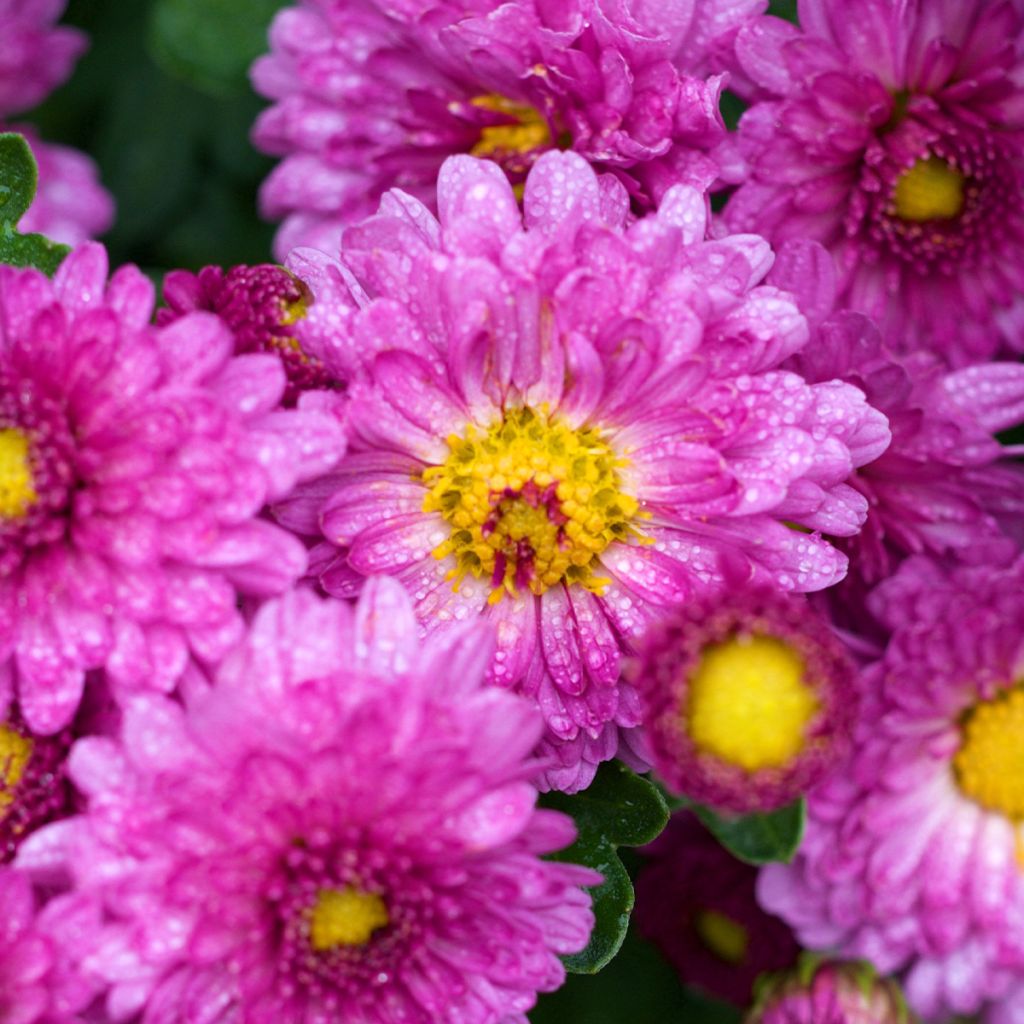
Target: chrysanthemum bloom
[
  {"x": 134, "y": 463},
  {"x": 749, "y": 699},
  {"x": 262, "y": 305},
  {"x": 566, "y": 427},
  {"x": 823, "y": 992},
  {"x": 36, "y": 984},
  {"x": 35, "y": 54},
  {"x": 945, "y": 486},
  {"x": 893, "y": 132},
  {"x": 696, "y": 903},
  {"x": 371, "y": 94},
  {"x": 913, "y": 854},
  {"x": 33, "y": 786},
  {"x": 341, "y": 830},
  {"x": 70, "y": 205}
]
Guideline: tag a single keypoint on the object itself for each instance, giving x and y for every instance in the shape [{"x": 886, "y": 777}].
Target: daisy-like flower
[
  {"x": 823, "y": 992},
  {"x": 134, "y": 463},
  {"x": 263, "y": 305},
  {"x": 945, "y": 486},
  {"x": 36, "y": 55},
  {"x": 913, "y": 853},
  {"x": 341, "y": 829},
  {"x": 369, "y": 95},
  {"x": 37, "y": 985},
  {"x": 566, "y": 427},
  {"x": 696, "y": 903},
  {"x": 749, "y": 699},
  {"x": 70, "y": 205},
  {"x": 893, "y": 132}
]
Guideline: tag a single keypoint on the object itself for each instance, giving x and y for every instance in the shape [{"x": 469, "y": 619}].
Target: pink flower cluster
[{"x": 529, "y": 456}]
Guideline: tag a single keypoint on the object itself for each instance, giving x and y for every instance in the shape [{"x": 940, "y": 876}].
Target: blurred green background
[{"x": 162, "y": 102}]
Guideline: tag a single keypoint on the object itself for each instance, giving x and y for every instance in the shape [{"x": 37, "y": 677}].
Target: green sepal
[{"x": 618, "y": 809}]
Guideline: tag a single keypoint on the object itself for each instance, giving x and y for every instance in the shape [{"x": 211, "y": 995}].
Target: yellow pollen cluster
[
  {"x": 345, "y": 917},
  {"x": 990, "y": 763},
  {"x": 530, "y": 130},
  {"x": 930, "y": 190},
  {"x": 17, "y": 492},
  {"x": 723, "y": 936},
  {"x": 530, "y": 502},
  {"x": 750, "y": 703},
  {"x": 15, "y": 751}
]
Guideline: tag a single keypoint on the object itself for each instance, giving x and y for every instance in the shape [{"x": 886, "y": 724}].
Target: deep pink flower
[
  {"x": 37, "y": 984},
  {"x": 567, "y": 427},
  {"x": 70, "y": 206},
  {"x": 262, "y": 305},
  {"x": 134, "y": 463},
  {"x": 825, "y": 992},
  {"x": 370, "y": 94},
  {"x": 696, "y": 903},
  {"x": 893, "y": 132},
  {"x": 945, "y": 486},
  {"x": 35, "y": 55},
  {"x": 911, "y": 857},
  {"x": 340, "y": 829},
  {"x": 748, "y": 698}
]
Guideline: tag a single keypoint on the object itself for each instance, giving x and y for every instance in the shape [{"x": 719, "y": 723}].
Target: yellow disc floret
[
  {"x": 990, "y": 763},
  {"x": 15, "y": 751},
  {"x": 723, "y": 936},
  {"x": 527, "y": 132},
  {"x": 750, "y": 702},
  {"x": 17, "y": 492},
  {"x": 531, "y": 503},
  {"x": 345, "y": 917},
  {"x": 930, "y": 190}
]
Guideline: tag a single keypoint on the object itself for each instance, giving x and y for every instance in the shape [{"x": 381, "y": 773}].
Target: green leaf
[
  {"x": 758, "y": 838},
  {"x": 30, "y": 250},
  {"x": 784, "y": 9},
  {"x": 618, "y": 809},
  {"x": 18, "y": 177},
  {"x": 210, "y": 44}
]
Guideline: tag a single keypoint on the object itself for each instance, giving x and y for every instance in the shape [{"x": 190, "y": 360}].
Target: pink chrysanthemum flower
[
  {"x": 893, "y": 132},
  {"x": 696, "y": 903},
  {"x": 369, "y": 95},
  {"x": 35, "y": 55},
  {"x": 913, "y": 853},
  {"x": 945, "y": 486},
  {"x": 341, "y": 829},
  {"x": 749, "y": 699},
  {"x": 823, "y": 992},
  {"x": 70, "y": 204},
  {"x": 567, "y": 426},
  {"x": 37, "y": 986},
  {"x": 262, "y": 305},
  {"x": 134, "y": 463}
]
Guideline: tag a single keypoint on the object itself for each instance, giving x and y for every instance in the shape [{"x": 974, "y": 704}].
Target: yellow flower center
[
  {"x": 345, "y": 917},
  {"x": 530, "y": 502},
  {"x": 527, "y": 131},
  {"x": 990, "y": 763},
  {"x": 750, "y": 703},
  {"x": 17, "y": 492},
  {"x": 723, "y": 936},
  {"x": 930, "y": 190},
  {"x": 15, "y": 751}
]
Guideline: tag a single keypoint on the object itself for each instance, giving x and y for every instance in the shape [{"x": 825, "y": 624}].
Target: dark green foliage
[{"x": 618, "y": 809}]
